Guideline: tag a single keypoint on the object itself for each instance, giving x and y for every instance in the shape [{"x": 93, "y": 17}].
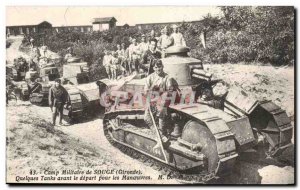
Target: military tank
[
  {"x": 83, "y": 94},
  {"x": 39, "y": 89},
  {"x": 20, "y": 68},
  {"x": 210, "y": 139}
]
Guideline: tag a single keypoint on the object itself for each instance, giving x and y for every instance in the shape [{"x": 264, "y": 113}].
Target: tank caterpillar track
[
  {"x": 76, "y": 106},
  {"x": 224, "y": 152},
  {"x": 165, "y": 169}
]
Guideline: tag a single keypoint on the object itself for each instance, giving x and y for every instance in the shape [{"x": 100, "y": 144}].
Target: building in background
[
  {"x": 28, "y": 29},
  {"x": 82, "y": 28},
  {"x": 98, "y": 24},
  {"x": 105, "y": 23}
]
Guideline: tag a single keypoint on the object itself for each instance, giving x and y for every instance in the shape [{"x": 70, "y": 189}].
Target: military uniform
[
  {"x": 178, "y": 39},
  {"x": 107, "y": 64},
  {"x": 212, "y": 96},
  {"x": 143, "y": 46},
  {"x": 148, "y": 58},
  {"x": 164, "y": 41},
  {"x": 158, "y": 83},
  {"x": 134, "y": 56},
  {"x": 44, "y": 50},
  {"x": 114, "y": 67},
  {"x": 58, "y": 97}
]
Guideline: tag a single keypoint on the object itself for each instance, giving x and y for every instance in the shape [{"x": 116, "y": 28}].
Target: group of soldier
[{"x": 138, "y": 56}]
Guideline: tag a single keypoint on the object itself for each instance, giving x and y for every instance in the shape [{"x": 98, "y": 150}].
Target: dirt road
[{"x": 13, "y": 51}]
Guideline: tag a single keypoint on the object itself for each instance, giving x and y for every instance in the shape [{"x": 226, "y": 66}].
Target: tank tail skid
[{"x": 273, "y": 124}]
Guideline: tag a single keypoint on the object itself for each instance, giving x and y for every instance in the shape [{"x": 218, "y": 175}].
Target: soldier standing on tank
[
  {"x": 121, "y": 56},
  {"x": 114, "y": 65},
  {"x": 134, "y": 55},
  {"x": 69, "y": 54},
  {"x": 44, "y": 50},
  {"x": 58, "y": 97},
  {"x": 35, "y": 56},
  {"x": 164, "y": 40},
  {"x": 144, "y": 45},
  {"x": 153, "y": 35},
  {"x": 150, "y": 55},
  {"x": 107, "y": 63},
  {"x": 177, "y": 37},
  {"x": 160, "y": 82}
]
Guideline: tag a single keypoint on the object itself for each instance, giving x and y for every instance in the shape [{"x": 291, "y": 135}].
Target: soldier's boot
[
  {"x": 163, "y": 132},
  {"x": 177, "y": 131},
  {"x": 53, "y": 119}
]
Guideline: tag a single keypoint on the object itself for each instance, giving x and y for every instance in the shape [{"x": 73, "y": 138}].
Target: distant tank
[
  {"x": 40, "y": 83},
  {"x": 20, "y": 68},
  {"x": 83, "y": 94},
  {"x": 210, "y": 139}
]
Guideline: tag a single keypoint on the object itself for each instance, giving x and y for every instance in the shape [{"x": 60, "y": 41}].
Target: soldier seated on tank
[
  {"x": 160, "y": 82},
  {"x": 212, "y": 96},
  {"x": 69, "y": 53},
  {"x": 151, "y": 54}
]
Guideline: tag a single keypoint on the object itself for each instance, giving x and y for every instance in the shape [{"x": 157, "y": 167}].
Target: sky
[{"x": 70, "y": 16}]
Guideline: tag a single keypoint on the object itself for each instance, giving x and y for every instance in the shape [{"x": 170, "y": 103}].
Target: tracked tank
[
  {"x": 209, "y": 140},
  {"x": 83, "y": 94},
  {"x": 40, "y": 83}
]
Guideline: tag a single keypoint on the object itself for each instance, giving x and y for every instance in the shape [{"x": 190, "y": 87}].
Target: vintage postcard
[{"x": 150, "y": 95}]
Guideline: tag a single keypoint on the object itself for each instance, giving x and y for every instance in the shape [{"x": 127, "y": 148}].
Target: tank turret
[{"x": 184, "y": 69}]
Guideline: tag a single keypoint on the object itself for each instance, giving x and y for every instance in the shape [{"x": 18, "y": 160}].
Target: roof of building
[
  {"x": 36, "y": 24},
  {"x": 178, "y": 22},
  {"x": 104, "y": 20},
  {"x": 73, "y": 26}
]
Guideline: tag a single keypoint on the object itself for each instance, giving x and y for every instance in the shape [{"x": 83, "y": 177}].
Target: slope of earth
[{"x": 260, "y": 82}]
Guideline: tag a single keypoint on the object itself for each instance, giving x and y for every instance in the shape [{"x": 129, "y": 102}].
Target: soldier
[
  {"x": 58, "y": 97},
  {"x": 119, "y": 50},
  {"x": 31, "y": 43},
  {"x": 114, "y": 65},
  {"x": 134, "y": 55},
  {"x": 121, "y": 56},
  {"x": 124, "y": 61},
  {"x": 208, "y": 97},
  {"x": 160, "y": 82},
  {"x": 150, "y": 55},
  {"x": 144, "y": 45},
  {"x": 35, "y": 55},
  {"x": 69, "y": 53},
  {"x": 44, "y": 50},
  {"x": 107, "y": 63},
  {"x": 177, "y": 37},
  {"x": 165, "y": 40},
  {"x": 153, "y": 35}
]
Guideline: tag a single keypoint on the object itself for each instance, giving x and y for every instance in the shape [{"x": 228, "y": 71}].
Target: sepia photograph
[{"x": 158, "y": 95}]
